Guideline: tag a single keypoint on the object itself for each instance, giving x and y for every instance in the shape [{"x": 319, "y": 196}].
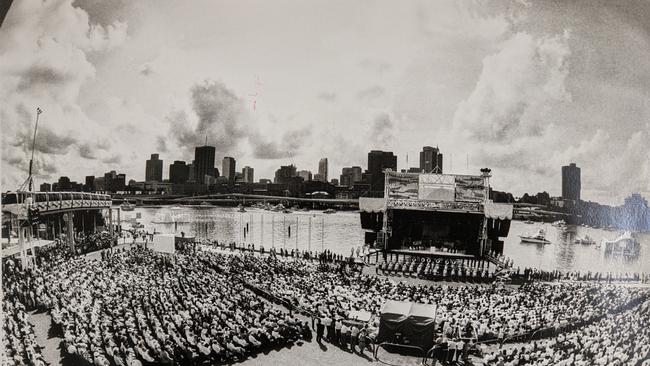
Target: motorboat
[
  {"x": 329, "y": 211},
  {"x": 559, "y": 224},
  {"x": 538, "y": 238},
  {"x": 529, "y": 222},
  {"x": 241, "y": 208},
  {"x": 586, "y": 240},
  {"x": 127, "y": 206}
]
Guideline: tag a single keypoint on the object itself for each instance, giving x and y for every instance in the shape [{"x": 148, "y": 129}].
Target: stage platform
[{"x": 429, "y": 254}]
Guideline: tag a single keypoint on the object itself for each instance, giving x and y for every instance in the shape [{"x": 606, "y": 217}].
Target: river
[{"x": 341, "y": 231}]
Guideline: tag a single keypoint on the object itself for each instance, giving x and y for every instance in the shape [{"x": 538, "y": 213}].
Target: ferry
[
  {"x": 127, "y": 206},
  {"x": 538, "y": 238}
]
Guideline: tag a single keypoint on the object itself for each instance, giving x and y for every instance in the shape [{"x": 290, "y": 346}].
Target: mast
[{"x": 30, "y": 180}]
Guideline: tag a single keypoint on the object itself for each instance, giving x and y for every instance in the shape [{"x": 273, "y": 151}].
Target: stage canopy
[
  {"x": 372, "y": 205},
  {"x": 415, "y": 322},
  {"x": 498, "y": 211}
]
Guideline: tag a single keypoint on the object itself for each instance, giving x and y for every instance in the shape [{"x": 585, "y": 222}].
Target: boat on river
[
  {"x": 625, "y": 245},
  {"x": 586, "y": 240},
  {"x": 127, "y": 206},
  {"x": 537, "y": 238}
]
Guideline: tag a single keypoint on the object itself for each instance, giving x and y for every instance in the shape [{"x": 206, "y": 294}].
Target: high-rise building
[
  {"x": 430, "y": 160},
  {"x": 203, "y": 163},
  {"x": 228, "y": 168},
  {"x": 63, "y": 184},
  {"x": 305, "y": 175},
  {"x": 248, "y": 174},
  {"x": 350, "y": 175},
  {"x": 378, "y": 161},
  {"x": 571, "y": 182},
  {"x": 154, "y": 169},
  {"x": 46, "y": 187},
  {"x": 90, "y": 183},
  {"x": 191, "y": 177},
  {"x": 334, "y": 182},
  {"x": 179, "y": 172},
  {"x": 322, "y": 170},
  {"x": 284, "y": 174}
]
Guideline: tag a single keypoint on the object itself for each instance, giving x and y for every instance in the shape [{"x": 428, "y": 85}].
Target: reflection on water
[{"x": 342, "y": 231}]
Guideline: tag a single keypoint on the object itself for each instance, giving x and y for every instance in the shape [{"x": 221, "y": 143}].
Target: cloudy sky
[{"x": 521, "y": 87}]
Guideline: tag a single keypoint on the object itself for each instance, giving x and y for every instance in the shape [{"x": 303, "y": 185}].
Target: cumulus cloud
[
  {"x": 45, "y": 48},
  {"x": 327, "y": 96},
  {"x": 382, "y": 131},
  {"x": 372, "y": 92},
  {"x": 218, "y": 114},
  {"x": 291, "y": 143}
]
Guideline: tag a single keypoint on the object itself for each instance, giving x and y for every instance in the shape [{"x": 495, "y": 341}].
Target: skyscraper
[
  {"x": 378, "y": 161},
  {"x": 350, "y": 175},
  {"x": 571, "y": 182},
  {"x": 431, "y": 160},
  {"x": 179, "y": 172},
  {"x": 284, "y": 174},
  {"x": 228, "y": 168},
  {"x": 154, "y": 169},
  {"x": 203, "y": 163},
  {"x": 322, "y": 169},
  {"x": 248, "y": 174},
  {"x": 305, "y": 175}
]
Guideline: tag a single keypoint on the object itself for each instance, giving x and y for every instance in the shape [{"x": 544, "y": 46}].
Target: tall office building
[
  {"x": 350, "y": 175},
  {"x": 228, "y": 168},
  {"x": 90, "y": 183},
  {"x": 179, "y": 172},
  {"x": 378, "y": 161},
  {"x": 154, "y": 169},
  {"x": 571, "y": 182},
  {"x": 431, "y": 160},
  {"x": 46, "y": 187},
  {"x": 322, "y": 170},
  {"x": 203, "y": 163},
  {"x": 284, "y": 174},
  {"x": 248, "y": 174},
  {"x": 305, "y": 175}
]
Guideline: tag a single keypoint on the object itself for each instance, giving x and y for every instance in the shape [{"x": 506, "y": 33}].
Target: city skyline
[{"x": 492, "y": 84}]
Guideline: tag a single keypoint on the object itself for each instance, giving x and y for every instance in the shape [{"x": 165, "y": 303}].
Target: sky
[{"x": 520, "y": 87}]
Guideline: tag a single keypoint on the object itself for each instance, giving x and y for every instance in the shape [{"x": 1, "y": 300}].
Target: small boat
[
  {"x": 127, "y": 206},
  {"x": 241, "y": 208},
  {"x": 286, "y": 210},
  {"x": 176, "y": 207},
  {"x": 329, "y": 211},
  {"x": 529, "y": 222},
  {"x": 538, "y": 238},
  {"x": 587, "y": 240},
  {"x": 559, "y": 223}
]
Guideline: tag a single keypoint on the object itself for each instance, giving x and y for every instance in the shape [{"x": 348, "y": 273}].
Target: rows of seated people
[
  {"x": 491, "y": 311},
  {"x": 133, "y": 307},
  {"x": 19, "y": 296},
  {"x": 621, "y": 339},
  {"x": 436, "y": 270}
]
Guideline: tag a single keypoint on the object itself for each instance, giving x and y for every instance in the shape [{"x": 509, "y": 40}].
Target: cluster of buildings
[{"x": 202, "y": 176}]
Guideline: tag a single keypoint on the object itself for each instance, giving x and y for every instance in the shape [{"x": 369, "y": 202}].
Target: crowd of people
[
  {"x": 202, "y": 305},
  {"x": 19, "y": 296},
  {"x": 486, "y": 312},
  {"x": 534, "y": 274},
  {"x": 620, "y": 339}
]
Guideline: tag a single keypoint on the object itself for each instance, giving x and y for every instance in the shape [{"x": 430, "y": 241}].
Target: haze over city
[{"x": 522, "y": 88}]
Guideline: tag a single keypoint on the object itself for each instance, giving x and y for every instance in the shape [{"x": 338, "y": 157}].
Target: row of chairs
[{"x": 434, "y": 271}]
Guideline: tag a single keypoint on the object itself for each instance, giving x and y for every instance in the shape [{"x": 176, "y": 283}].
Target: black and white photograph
[{"x": 325, "y": 182}]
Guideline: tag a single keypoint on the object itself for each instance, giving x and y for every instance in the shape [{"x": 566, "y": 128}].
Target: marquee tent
[{"x": 415, "y": 322}]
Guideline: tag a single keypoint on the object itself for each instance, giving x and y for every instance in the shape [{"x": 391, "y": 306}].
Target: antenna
[
  {"x": 30, "y": 180},
  {"x": 407, "y": 161},
  {"x": 467, "y": 166},
  {"x": 206, "y": 140}
]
